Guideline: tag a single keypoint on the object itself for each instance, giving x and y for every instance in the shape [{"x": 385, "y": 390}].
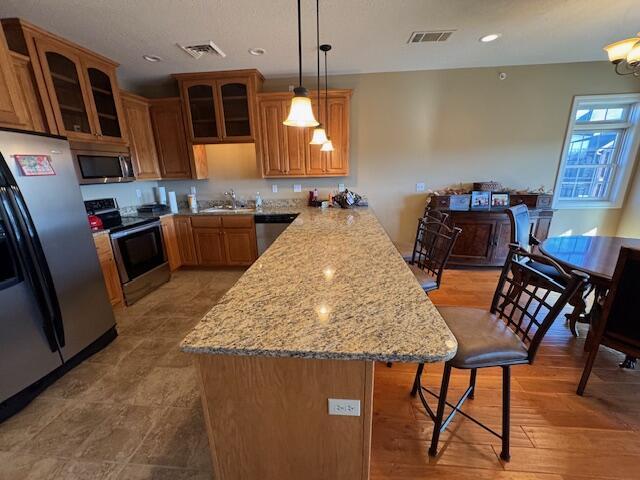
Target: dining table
[{"x": 596, "y": 256}]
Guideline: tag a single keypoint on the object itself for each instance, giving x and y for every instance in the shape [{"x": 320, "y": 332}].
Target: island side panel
[{"x": 267, "y": 418}]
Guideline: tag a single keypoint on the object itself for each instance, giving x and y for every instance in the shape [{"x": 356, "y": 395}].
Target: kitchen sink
[{"x": 228, "y": 209}]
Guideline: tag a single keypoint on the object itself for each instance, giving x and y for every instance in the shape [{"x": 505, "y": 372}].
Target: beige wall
[
  {"x": 630, "y": 218},
  {"x": 442, "y": 127}
]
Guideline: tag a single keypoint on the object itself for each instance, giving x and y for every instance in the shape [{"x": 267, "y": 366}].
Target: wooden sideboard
[{"x": 484, "y": 241}]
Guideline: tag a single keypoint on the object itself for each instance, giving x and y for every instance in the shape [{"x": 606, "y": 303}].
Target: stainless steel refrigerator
[{"x": 54, "y": 309}]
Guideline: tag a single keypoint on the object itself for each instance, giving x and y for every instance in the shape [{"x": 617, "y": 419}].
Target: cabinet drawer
[
  {"x": 206, "y": 221},
  {"x": 240, "y": 221}
]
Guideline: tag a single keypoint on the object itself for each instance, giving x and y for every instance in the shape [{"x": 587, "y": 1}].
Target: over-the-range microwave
[{"x": 103, "y": 167}]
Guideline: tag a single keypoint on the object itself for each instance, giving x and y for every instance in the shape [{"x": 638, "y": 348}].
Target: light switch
[
  {"x": 420, "y": 187},
  {"x": 349, "y": 408},
  {"x": 297, "y": 187},
  {"x": 274, "y": 188}
]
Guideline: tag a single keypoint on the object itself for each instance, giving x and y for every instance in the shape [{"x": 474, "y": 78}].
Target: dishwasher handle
[{"x": 276, "y": 218}]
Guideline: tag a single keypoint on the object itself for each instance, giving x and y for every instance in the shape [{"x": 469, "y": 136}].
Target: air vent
[
  {"x": 199, "y": 49},
  {"x": 420, "y": 37}
]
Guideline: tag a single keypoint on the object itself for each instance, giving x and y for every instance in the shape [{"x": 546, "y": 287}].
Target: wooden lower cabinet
[
  {"x": 109, "y": 269},
  {"x": 170, "y": 239},
  {"x": 240, "y": 246},
  {"x": 485, "y": 237},
  {"x": 209, "y": 246},
  {"x": 216, "y": 240},
  {"x": 186, "y": 245}
]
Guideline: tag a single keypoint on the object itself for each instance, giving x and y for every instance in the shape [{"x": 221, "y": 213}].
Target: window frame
[{"x": 626, "y": 148}]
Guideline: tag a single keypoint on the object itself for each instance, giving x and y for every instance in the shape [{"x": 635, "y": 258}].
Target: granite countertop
[
  {"x": 332, "y": 286},
  {"x": 262, "y": 211}
]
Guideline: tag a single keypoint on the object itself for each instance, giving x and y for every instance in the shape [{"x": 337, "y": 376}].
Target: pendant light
[
  {"x": 326, "y": 146},
  {"x": 300, "y": 113},
  {"x": 319, "y": 135}
]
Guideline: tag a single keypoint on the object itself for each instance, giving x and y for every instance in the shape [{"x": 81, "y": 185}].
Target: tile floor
[{"x": 131, "y": 411}]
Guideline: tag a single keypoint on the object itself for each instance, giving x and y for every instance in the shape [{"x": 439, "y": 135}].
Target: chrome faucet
[{"x": 232, "y": 195}]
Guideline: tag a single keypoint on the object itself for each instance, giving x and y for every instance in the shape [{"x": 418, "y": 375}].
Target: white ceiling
[{"x": 367, "y": 35}]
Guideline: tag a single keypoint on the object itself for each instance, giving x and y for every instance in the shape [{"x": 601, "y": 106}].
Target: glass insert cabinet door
[
  {"x": 66, "y": 83},
  {"x": 104, "y": 101},
  {"x": 202, "y": 112},
  {"x": 235, "y": 108}
]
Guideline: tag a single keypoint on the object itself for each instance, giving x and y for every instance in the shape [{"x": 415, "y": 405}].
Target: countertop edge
[{"x": 314, "y": 355}]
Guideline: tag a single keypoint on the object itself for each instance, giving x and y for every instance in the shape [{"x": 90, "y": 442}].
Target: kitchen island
[{"x": 303, "y": 325}]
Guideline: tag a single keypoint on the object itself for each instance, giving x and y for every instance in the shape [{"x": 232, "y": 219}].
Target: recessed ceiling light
[
  {"x": 152, "y": 58},
  {"x": 257, "y": 51},
  {"x": 490, "y": 38}
]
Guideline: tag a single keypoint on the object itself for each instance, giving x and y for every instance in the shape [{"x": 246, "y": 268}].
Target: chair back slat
[
  {"x": 527, "y": 300},
  {"x": 433, "y": 246}
]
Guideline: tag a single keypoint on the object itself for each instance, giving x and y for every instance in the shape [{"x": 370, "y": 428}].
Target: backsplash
[{"x": 124, "y": 193}]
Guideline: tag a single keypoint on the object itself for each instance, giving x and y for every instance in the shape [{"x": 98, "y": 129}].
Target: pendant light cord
[
  {"x": 299, "y": 46},
  {"x": 318, "y": 57},
  {"x": 326, "y": 94}
]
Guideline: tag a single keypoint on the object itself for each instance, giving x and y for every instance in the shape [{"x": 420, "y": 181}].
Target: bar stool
[{"x": 522, "y": 311}]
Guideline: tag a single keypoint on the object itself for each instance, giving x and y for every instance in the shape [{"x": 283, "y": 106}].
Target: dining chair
[
  {"x": 520, "y": 222},
  {"x": 406, "y": 249},
  {"x": 617, "y": 326},
  {"x": 524, "y": 306},
  {"x": 434, "y": 243}
]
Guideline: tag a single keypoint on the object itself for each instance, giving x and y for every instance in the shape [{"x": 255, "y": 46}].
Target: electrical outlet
[
  {"x": 274, "y": 188},
  {"x": 297, "y": 187},
  {"x": 341, "y": 187},
  {"x": 420, "y": 187},
  {"x": 349, "y": 408}
]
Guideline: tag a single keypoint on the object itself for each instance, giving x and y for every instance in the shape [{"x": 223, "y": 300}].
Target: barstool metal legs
[
  {"x": 416, "y": 381},
  {"x": 506, "y": 412},
  {"x": 437, "y": 428},
  {"x": 472, "y": 383}
]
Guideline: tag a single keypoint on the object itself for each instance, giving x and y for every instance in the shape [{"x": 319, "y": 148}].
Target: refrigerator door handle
[
  {"x": 34, "y": 258},
  {"x": 17, "y": 237},
  {"x": 40, "y": 263}
]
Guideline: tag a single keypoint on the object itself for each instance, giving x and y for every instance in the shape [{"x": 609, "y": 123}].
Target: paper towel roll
[
  {"x": 161, "y": 195},
  {"x": 173, "y": 202}
]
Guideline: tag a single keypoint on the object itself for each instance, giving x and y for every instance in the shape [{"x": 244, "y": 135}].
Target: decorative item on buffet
[{"x": 477, "y": 197}]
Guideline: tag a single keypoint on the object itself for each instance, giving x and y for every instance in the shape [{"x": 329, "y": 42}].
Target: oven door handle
[{"x": 141, "y": 228}]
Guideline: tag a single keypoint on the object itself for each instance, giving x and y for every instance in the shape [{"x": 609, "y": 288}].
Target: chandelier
[{"x": 625, "y": 55}]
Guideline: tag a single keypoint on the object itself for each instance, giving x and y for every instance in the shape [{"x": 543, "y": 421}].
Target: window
[{"x": 599, "y": 152}]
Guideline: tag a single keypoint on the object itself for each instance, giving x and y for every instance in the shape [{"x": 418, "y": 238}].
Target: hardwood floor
[{"x": 556, "y": 435}]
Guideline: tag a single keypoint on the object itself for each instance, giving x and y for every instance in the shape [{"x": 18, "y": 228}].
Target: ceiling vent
[
  {"x": 439, "y": 36},
  {"x": 198, "y": 49}
]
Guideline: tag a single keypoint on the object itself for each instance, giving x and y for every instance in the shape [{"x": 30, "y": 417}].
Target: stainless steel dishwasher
[{"x": 269, "y": 226}]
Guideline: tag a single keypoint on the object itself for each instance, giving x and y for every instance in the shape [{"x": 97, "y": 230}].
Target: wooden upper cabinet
[
  {"x": 77, "y": 88},
  {"x": 286, "y": 152},
  {"x": 219, "y": 107},
  {"x": 236, "y": 104},
  {"x": 272, "y": 137},
  {"x": 140, "y": 133},
  {"x": 13, "y": 112},
  {"x": 34, "y": 121},
  {"x": 68, "y": 92},
  {"x": 171, "y": 144},
  {"x": 201, "y": 111},
  {"x": 105, "y": 100},
  {"x": 337, "y": 162}
]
